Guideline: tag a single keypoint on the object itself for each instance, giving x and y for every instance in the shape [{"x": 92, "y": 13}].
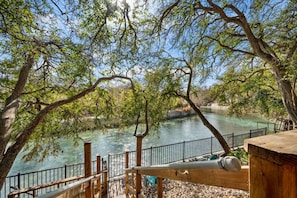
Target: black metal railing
[
  {"x": 177, "y": 152},
  {"x": 116, "y": 163}
]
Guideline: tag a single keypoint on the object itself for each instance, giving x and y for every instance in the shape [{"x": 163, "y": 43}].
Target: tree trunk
[
  {"x": 15, "y": 148},
  {"x": 214, "y": 131},
  {"x": 7, "y": 118},
  {"x": 289, "y": 97}
]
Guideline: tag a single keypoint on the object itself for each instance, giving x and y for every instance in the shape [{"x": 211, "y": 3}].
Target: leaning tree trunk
[
  {"x": 214, "y": 131},
  {"x": 289, "y": 97},
  {"x": 265, "y": 52},
  {"x": 9, "y": 155},
  {"x": 7, "y": 117}
]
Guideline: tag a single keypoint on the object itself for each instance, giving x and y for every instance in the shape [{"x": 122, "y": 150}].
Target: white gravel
[
  {"x": 178, "y": 189},
  {"x": 185, "y": 190}
]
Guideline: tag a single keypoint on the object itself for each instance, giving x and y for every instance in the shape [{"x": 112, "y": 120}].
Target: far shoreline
[{"x": 92, "y": 123}]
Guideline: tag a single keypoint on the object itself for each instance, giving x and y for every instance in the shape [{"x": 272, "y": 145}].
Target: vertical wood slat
[
  {"x": 263, "y": 178},
  {"x": 88, "y": 167},
  {"x": 98, "y": 170},
  {"x": 160, "y": 187},
  {"x": 133, "y": 184},
  {"x": 105, "y": 185},
  {"x": 138, "y": 163},
  {"x": 289, "y": 183}
]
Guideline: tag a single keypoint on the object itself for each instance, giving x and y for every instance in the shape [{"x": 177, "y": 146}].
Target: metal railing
[
  {"x": 115, "y": 163},
  {"x": 25, "y": 180},
  {"x": 177, "y": 152}
]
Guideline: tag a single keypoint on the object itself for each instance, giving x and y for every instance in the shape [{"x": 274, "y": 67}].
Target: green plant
[{"x": 240, "y": 154}]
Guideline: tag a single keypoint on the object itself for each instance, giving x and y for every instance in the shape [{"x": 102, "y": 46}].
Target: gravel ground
[
  {"x": 185, "y": 190},
  {"x": 178, "y": 189}
]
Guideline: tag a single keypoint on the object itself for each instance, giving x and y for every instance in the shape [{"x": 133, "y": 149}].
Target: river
[{"x": 116, "y": 141}]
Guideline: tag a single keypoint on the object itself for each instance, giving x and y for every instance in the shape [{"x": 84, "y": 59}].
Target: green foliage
[
  {"x": 246, "y": 93},
  {"x": 72, "y": 45},
  {"x": 240, "y": 154},
  {"x": 219, "y": 45}
]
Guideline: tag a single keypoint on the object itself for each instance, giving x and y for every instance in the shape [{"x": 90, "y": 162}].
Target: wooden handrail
[
  {"x": 37, "y": 187},
  {"x": 214, "y": 177},
  {"x": 34, "y": 188},
  {"x": 64, "y": 189},
  {"x": 88, "y": 181},
  {"x": 222, "y": 172}
]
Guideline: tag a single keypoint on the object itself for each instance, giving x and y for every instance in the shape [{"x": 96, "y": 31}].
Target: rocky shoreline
[{"x": 93, "y": 123}]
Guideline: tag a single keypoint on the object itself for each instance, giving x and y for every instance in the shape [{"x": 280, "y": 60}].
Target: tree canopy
[
  {"x": 59, "y": 63},
  {"x": 252, "y": 40}
]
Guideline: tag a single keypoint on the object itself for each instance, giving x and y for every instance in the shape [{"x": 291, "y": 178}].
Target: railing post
[
  {"x": 105, "y": 169},
  {"x": 250, "y": 133},
  {"x": 138, "y": 163},
  {"x": 102, "y": 164},
  {"x": 151, "y": 156},
  {"x": 65, "y": 171},
  {"x": 105, "y": 175},
  {"x": 19, "y": 180},
  {"x": 233, "y": 141},
  {"x": 98, "y": 164},
  {"x": 184, "y": 148},
  {"x": 211, "y": 145},
  {"x": 108, "y": 163},
  {"x": 88, "y": 167},
  {"x": 98, "y": 170},
  {"x": 127, "y": 174},
  {"x": 160, "y": 187}
]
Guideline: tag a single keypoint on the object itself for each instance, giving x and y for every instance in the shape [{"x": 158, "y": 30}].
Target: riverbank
[
  {"x": 216, "y": 106},
  {"x": 93, "y": 123}
]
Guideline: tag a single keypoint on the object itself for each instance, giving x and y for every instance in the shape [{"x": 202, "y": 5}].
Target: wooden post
[
  {"x": 88, "y": 167},
  {"x": 160, "y": 187},
  {"x": 133, "y": 182},
  {"x": 138, "y": 163},
  {"x": 273, "y": 165},
  {"x": 98, "y": 163},
  {"x": 105, "y": 182}
]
